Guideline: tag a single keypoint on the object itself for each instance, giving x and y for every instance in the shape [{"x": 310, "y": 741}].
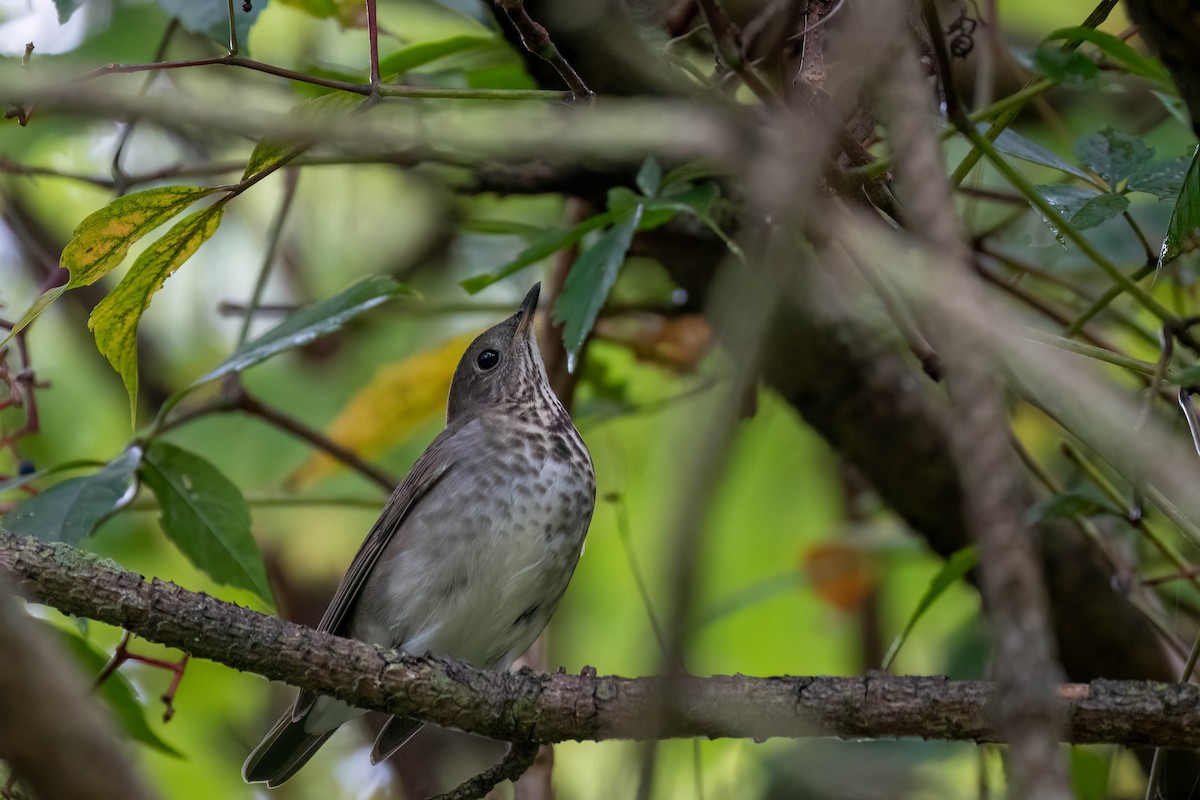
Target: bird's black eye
[{"x": 488, "y": 359}]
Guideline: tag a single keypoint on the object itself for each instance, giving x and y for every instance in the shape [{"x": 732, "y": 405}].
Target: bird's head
[{"x": 502, "y": 366}]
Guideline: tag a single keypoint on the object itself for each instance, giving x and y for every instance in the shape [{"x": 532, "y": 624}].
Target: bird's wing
[{"x": 433, "y": 465}]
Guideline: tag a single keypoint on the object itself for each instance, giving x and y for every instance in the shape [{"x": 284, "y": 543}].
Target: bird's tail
[
  {"x": 283, "y": 752},
  {"x": 396, "y": 732}
]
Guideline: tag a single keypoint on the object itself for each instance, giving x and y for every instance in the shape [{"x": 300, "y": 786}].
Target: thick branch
[
  {"x": 46, "y": 712},
  {"x": 533, "y": 707}
]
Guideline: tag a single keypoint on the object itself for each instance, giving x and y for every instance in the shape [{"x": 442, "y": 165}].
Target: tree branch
[{"x": 537, "y": 708}]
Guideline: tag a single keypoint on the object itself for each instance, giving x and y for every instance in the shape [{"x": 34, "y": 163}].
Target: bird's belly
[{"x": 482, "y": 589}]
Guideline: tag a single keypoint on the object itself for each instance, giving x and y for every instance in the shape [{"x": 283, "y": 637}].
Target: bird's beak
[{"x": 526, "y": 311}]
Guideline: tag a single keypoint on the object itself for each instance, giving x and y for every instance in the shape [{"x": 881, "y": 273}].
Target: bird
[{"x": 474, "y": 548}]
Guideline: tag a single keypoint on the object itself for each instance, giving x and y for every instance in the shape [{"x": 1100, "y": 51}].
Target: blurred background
[{"x": 801, "y": 570}]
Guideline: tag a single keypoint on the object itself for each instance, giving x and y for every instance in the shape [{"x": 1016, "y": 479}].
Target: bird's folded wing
[{"x": 433, "y": 465}]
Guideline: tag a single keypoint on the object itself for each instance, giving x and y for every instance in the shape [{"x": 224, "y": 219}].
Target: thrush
[{"x": 474, "y": 548}]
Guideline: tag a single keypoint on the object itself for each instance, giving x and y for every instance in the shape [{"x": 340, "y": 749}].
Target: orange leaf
[{"x": 839, "y": 573}]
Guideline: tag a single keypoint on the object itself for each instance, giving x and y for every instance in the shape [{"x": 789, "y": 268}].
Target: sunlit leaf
[
  {"x": 206, "y": 517},
  {"x": 116, "y": 690},
  {"x": 311, "y": 322},
  {"x": 418, "y": 55},
  {"x": 544, "y": 247},
  {"x": 955, "y": 568},
  {"x": 398, "y": 399},
  {"x": 70, "y": 510},
  {"x": 1183, "y": 231},
  {"x": 103, "y": 238},
  {"x": 1117, "y": 50},
  {"x": 1014, "y": 144},
  {"x": 1065, "y": 506},
  {"x": 588, "y": 283},
  {"x": 270, "y": 153},
  {"x": 114, "y": 320}
]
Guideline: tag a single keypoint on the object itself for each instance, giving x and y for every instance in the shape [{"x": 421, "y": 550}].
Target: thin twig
[
  {"x": 291, "y": 177},
  {"x": 537, "y": 41},
  {"x": 518, "y": 759}
]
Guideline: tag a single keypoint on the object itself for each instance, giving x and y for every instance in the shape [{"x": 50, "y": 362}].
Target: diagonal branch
[{"x": 534, "y": 707}]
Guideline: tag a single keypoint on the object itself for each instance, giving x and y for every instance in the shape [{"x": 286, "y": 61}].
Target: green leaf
[
  {"x": 1183, "y": 231},
  {"x": 270, "y": 153},
  {"x": 1083, "y": 207},
  {"x": 544, "y": 247},
  {"x": 957, "y": 566},
  {"x": 1117, "y": 50},
  {"x": 1113, "y": 155},
  {"x": 311, "y": 322},
  {"x": 649, "y": 177},
  {"x": 66, "y": 8},
  {"x": 115, "y": 319},
  {"x": 1161, "y": 178},
  {"x": 1067, "y": 66},
  {"x": 588, "y": 283},
  {"x": 116, "y": 690},
  {"x": 1066, "y": 506},
  {"x": 70, "y": 510},
  {"x": 1090, "y": 769},
  {"x": 1014, "y": 144},
  {"x": 104, "y": 237},
  {"x": 418, "y": 55},
  {"x": 1175, "y": 107},
  {"x": 206, "y": 517},
  {"x": 18, "y": 481},
  {"x": 211, "y": 18}
]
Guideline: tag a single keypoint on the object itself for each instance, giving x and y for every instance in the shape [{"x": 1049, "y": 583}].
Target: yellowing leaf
[
  {"x": 104, "y": 237},
  {"x": 115, "y": 319},
  {"x": 400, "y": 397}
]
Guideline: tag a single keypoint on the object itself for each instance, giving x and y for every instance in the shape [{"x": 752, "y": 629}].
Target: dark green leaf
[
  {"x": 1113, "y": 155},
  {"x": 544, "y": 247},
  {"x": 1175, "y": 107},
  {"x": 1188, "y": 376},
  {"x": 104, "y": 237},
  {"x": 649, "y": 177},
  {"x": 206, "y": 517},
  {"x": 116, "y": 690},
  {"x": 1067, "y": 66},
  {"x": 1065, "y": 506},
  {"x": 588, "y": 283},
  {"x": 1161, "y": 178},
  {"x": 1082, "y": 207},
  {"x": 114, "y": 320},
  {"x": 18, "y": 481},
  {"x": 312, "y": 322},
  {"x": 957, "y": 566},
  {"x": 502, "y": 227},
  {"x": 1183, "y": 231},
  {"x": 1014, "y": 144},
  {"x": 1117, "y": 50},
  {"x": 70, "y": 510},
  {"x": 66, "y": 8},
  {"x": 418, "y": 55},
  {"x": 211, "y": 18}
]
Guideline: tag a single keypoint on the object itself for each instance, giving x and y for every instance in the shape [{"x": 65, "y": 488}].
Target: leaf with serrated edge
[
  {"x": 206, "y": 517},
  {"x": 1014, "y": 144},
  {"x": 957, "y": 566},
  {"x": 588, "y": 283},
  {"x": 114, "y": 320},
  {"x": 70, "y": 510},
  {"x": 116, "y": 690},
  {"x": 1183, "y": 231},
  {"x": 103, "y": 238},
  {"x": 311, "y": 322},
  {"x": 1113, "y": 155}
]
